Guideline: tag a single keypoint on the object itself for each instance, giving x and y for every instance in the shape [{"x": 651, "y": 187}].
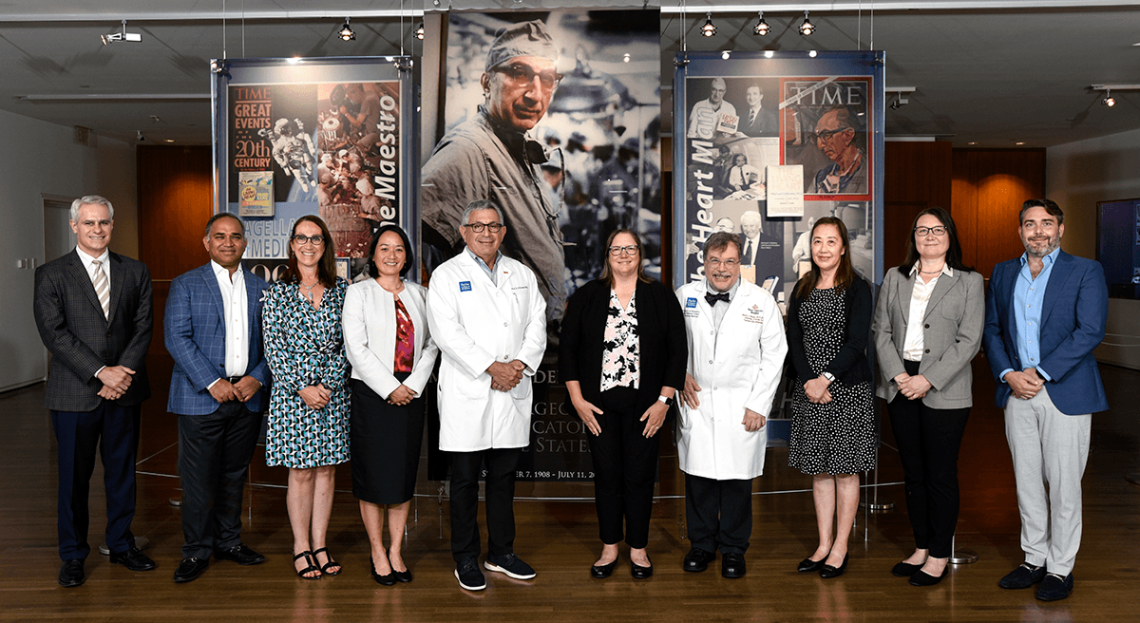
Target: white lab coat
[
  {"x": 737, "y": 367},
  {"x": 369, "y": 320},
  {"x": 476, "y": 323}
]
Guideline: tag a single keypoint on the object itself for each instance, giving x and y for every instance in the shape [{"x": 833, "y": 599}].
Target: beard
[{"x": 1041, "y": 248}]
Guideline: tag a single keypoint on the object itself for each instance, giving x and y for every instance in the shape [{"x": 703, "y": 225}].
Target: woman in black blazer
[{"x": 622, "y": 355}]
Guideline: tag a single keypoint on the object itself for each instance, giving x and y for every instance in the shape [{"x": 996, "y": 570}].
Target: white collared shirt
[
  {"x": 919, "y": 297},
  {"x": 237, "y": 318}
]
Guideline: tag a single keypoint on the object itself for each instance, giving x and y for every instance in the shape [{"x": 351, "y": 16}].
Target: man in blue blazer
[
  {"x": 218, "y": 389},
  {"x": 1045, "y": 315}
]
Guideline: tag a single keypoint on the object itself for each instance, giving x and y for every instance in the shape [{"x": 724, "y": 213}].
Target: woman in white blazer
[
  {"x": 928, "y": 327},
  {"x": 392, "y": 354}
]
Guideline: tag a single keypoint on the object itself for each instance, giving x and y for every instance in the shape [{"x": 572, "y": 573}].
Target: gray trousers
[{"x": 1050, "y": 450}]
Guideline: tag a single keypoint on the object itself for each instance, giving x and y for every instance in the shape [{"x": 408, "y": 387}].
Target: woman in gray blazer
[{"x": 928, "y": 327}]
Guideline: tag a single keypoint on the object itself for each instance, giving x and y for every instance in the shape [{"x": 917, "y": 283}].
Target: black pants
[
  {"x": 465, "y": 467},
  {"x": 928, "y": 441},
  {"x": 214, "y": 452},
  {"x": 625, "y": 466},
  {"x": 719, "y": 513},
  {"x": 113, "y": 430}
]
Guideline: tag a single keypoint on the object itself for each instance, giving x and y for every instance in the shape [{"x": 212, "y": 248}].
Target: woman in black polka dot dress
[{"x": 833, "y": 433}]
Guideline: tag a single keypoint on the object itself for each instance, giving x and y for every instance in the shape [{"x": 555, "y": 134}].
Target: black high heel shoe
[
  {"x": 828, "y": 572},
  {"x": 383, "y": 580}
]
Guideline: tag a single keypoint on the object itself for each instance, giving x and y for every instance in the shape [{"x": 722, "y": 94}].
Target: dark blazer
[
  {"x": 850, "y": 366},
  {"x": 195, "y": 335},
  {"x": 764, "y": 124},
  {"x": 1072, "y": 326},
  {"x": 664, "y": 348},
  {"x": 71, "y": 323}
]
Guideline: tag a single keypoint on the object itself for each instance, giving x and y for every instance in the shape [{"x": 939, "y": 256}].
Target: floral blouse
[{"x": 621, "y": 359}]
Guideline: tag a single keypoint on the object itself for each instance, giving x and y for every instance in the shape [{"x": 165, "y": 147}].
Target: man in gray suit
[{"x": 93, "y": 312}]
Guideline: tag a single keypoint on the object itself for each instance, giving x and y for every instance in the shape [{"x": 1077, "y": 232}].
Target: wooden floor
[{"x": 560, "y": 539}]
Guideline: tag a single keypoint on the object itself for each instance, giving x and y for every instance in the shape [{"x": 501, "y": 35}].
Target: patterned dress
[
  {"x": 837, "y": 437},
  {"x": 304, "y": 346}
]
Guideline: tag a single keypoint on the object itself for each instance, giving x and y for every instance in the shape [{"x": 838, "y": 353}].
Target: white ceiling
[{"x": 990, "y": 73}]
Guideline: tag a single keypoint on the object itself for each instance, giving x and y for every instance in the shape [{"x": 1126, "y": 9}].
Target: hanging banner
[
  {"x": 768, "y": 144},
  {"x": 314, "y": 136},
  {"x": 568, "y": 163}
]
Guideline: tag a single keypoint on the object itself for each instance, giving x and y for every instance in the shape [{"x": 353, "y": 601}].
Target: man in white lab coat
[
  {"x": 488, "y": 318},
  {"x": 736, "y": 355}
]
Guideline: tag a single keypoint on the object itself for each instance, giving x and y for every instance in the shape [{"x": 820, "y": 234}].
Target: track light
[
  {"x": 139, "y": 136},
  {"x": 709, "y": 29},
  {"x": 1108, "y": 100},
  {"x": 761, "y": 26},
  {"x": 726, "y": 55},
  {"x": 806, "y": 28},
  {"x": 420, "y": 31},
  {"x": 346, "y": 33},
  {"x": 121, "y": 36}
]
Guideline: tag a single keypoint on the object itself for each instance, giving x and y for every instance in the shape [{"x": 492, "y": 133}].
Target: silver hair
[
  {"x": 90, "y": 200},
  {"x": 751, "y": 216},
  {"x": 481, "y": 204}
]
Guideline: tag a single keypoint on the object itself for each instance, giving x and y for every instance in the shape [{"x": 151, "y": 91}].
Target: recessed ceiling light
[
  {"x": 169, "y": 140},
  {"x": 1019, "y": 143},
  {"x": 972, "y": 143}
]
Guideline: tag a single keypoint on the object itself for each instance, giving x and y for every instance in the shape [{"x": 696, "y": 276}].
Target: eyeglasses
[
  {"x": 921, "y": 232},
  {"x": 729, "y": 264},
  {"x": 630, "y": 249},
  {"x": 825, "y": 135},
  {"x": 521, "y": 75},
  {"x": 301, "y": 239},
  {"x": 478, "y": 227}
]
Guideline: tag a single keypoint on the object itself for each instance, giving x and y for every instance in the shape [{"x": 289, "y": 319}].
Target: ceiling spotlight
[
  {"x": 420, "y": 31},
  {"x": 899, "y": 102},
  {"x": 769, "y": 53},
  {"x": 139, "y": 136},
  {"x": 346, "y": 33},
  {"x": 761, "y": 26},
  {"x": 812, "y": 53},
  {"x": 1108, "y": 100},
  {"x": 121, "y": 36},
  {"x": 709, "y": 29},
  {"x": 806, "y": 28},
  {"x": 625, "y": 58},
  {"x": 725, "y": 55}
]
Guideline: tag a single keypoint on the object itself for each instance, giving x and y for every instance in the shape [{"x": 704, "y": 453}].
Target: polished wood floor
[{"x": 560, "y": 539}]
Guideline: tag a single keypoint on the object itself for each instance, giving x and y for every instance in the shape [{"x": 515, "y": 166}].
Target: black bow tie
[{"x": 713, "y": 298}]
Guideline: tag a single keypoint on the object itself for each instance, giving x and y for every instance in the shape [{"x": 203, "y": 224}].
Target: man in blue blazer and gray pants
[
  {"x": 218, "y": 389},
  {"x": 1045, "y": 314}
]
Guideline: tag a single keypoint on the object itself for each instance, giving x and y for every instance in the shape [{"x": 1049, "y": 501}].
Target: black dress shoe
[
  {"x": 732, "y": 566},
  {"x": 904, "y": 569},
  {"x": 697, "y": 560},
  {"x": 1055, "y": 587},
  {"x": 807, "y": 565},
  {"x": 640, "y": 573},
  {"x": 190, "y": 568},
  {"x": 1023, "y": 576},
  {"x": 922, "y": 578},
  {"x": 132, "y": 559},
  {"x": 603, "y": 571},
  {"x": 241, "y": 554},
  {"x": 828, "y": 572},
  {"x": 71, "y": 574}
]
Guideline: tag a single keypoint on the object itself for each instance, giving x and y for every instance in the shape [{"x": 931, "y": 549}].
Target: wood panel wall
[
  {"x": 916, "y": 177},
  {"x": 989, "y": 186}
]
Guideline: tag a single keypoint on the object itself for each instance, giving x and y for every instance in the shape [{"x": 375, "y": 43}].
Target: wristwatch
[
  {"x": 829, "y": 376},
  {"x": 668, "y": 400}
]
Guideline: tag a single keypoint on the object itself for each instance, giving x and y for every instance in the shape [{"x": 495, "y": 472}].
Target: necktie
[
  {"x": 748, "y": 253},
  {"x": 752, "y": 116},
  {"x": 713, "y": 298},
  {"x": 102, "y": 288}
]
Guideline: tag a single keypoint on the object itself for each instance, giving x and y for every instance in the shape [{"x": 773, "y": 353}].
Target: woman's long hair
[
  {"x": 953, "y": 253},
  {"x": 326, "y": 268},
  {"x": 844, "y": 273},
  {"x": 607, "y": 272}
]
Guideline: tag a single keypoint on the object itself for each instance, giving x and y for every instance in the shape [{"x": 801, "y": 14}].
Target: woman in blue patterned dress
[{"x": 308, "y": 406}]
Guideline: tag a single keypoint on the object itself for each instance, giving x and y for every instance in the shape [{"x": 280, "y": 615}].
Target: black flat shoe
[
  {"x": 904, "y": 570},
  {"x": 383, "y": 580},
  {"x": 807, "y": 565},
  {"x": 603, "y": 571},
  {"x": 922, "y": 578},
  {"x": 309, "y": 568},
  {"x": 828, "y": 572},
  {"x": 640, "y": 573},
  {"x": 403, "y": 577}
]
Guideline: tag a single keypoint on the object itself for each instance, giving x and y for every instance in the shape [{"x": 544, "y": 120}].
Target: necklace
[
  {"x": 309, "y": 288},
  {"x": 932, "y": 272}
]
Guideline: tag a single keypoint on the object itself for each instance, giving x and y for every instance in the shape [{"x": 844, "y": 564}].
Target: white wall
[
  {"x": 1078, "y": 175},
  {"x": 39, "y": 158}
]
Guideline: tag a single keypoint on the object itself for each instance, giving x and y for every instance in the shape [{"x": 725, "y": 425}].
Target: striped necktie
[{"x": 102, "y": 288}]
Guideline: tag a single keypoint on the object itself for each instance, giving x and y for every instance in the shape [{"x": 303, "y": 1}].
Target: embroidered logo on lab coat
[
  {"x": 754, "y": 315},
  {"x": 464, "y": 286}
]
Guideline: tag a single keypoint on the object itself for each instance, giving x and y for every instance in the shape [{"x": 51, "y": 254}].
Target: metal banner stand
[
  {"x": 874, "y": 505},
  {"x": 961, "y": 556}
]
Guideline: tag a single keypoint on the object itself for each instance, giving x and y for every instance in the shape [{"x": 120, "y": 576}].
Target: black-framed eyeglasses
[
  {"x": 630, "y": 249},
  {"x": 938, "y": 230},
  {"x": 302, "y": 239},
  {"x": 825, "y": 135},
  {"x": 479, "y": 227},
  {"x": 521, "y": 75}
]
